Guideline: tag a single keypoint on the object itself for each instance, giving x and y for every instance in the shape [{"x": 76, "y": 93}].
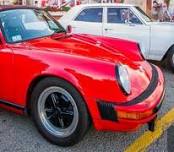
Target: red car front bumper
[{"x": 131, "y": 115}]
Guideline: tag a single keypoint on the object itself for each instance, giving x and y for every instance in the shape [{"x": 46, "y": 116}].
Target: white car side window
[
  {"x": 122, "y": 16},
  {"x": 90, "y": 15}
]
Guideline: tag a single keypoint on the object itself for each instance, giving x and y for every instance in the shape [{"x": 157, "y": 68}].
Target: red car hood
[{"x": 82, "y": 46}]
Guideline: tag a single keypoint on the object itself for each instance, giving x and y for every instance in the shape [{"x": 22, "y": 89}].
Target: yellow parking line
[{"x": 141, "y": 143}]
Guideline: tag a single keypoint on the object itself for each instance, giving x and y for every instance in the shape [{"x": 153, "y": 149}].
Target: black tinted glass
[{"x": 90, "y": 15}]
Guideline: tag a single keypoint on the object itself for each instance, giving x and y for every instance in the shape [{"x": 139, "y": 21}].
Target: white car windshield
[
  {"x": 143, "y": 14},
  {"x": 26, "y": 24}
]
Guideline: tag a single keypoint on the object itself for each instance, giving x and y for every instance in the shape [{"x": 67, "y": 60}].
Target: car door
[
  {"x": 88, "y": 21},
  {"x": 122, "y": 22},
  {"x": 6, "y": 76}
]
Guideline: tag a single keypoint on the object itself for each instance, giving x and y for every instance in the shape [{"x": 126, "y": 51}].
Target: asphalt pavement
[{"x": 18, "y": 133}]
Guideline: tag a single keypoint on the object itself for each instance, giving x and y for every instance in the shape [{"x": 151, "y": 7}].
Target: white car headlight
[{"x": 123, "y": 79}]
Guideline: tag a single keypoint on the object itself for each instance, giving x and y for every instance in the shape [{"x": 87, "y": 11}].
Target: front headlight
[{"x": 123, "y": 78}]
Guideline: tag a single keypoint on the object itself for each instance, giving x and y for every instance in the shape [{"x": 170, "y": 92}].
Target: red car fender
[
  {"x": 57, "y": 73},
  {"x": 79, "y": 74}
]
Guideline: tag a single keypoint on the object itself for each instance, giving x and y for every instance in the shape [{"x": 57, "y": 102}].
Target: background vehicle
[
  {"x": 124, "y": 21},
  {"x": 63, "y": 81}
]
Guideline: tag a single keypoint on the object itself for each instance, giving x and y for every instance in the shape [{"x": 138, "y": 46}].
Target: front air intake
[{"x": 107, "y": 111}]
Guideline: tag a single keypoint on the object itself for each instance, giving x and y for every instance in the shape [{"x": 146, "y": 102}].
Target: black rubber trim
[
  {"x": 107, "y": 111},
  {"x": 157, "y": 108},
  {"x": 12, "y": 105},
  {"x": 145, "y": 94}
]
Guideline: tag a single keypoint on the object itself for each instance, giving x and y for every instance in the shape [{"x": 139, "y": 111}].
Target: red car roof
[{"x": 8, "y": 7}]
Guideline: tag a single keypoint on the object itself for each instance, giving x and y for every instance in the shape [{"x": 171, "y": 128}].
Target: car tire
[
  {"x": 170, "y": 59},
  {"x": 70, "y": 121}
]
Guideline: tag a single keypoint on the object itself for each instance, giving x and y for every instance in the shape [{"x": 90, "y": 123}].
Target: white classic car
[{"x": 124, "y": 21}]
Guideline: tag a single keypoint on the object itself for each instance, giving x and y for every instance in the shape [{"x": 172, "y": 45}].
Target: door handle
[{"x": 107, "y": 29}]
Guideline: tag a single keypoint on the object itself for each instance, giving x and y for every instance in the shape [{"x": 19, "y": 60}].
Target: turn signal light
[{"x": 133, "y": 115}]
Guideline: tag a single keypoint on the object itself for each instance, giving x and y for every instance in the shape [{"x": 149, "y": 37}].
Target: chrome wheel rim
[{"x": 58, "y": 111}]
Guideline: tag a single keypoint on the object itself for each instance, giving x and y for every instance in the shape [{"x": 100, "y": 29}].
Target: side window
[
  {"x": 90, "y": 15},
  {"x": 121, "y": 16},
  {"x": 117, "y": 15}
]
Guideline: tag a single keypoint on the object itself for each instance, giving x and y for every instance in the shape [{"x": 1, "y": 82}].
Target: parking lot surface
[{"x": 18, "y": 133}]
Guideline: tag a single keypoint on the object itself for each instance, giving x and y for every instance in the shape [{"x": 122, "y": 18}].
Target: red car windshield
[{"x": 25, "y": 24}]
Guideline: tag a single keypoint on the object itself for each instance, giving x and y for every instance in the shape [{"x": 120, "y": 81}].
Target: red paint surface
[{"x": 88, "y": 63}]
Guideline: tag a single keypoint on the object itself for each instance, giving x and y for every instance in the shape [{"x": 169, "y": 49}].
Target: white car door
[
  {"x": 88, "y": 21},
  {"x": 123, "y": 23}
]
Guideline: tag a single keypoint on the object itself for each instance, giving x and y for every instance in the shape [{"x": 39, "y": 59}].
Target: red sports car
[{"x": 66, "y": 81}]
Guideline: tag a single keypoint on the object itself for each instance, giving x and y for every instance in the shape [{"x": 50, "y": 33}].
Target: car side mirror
[{"x": 69, "y": 29}]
